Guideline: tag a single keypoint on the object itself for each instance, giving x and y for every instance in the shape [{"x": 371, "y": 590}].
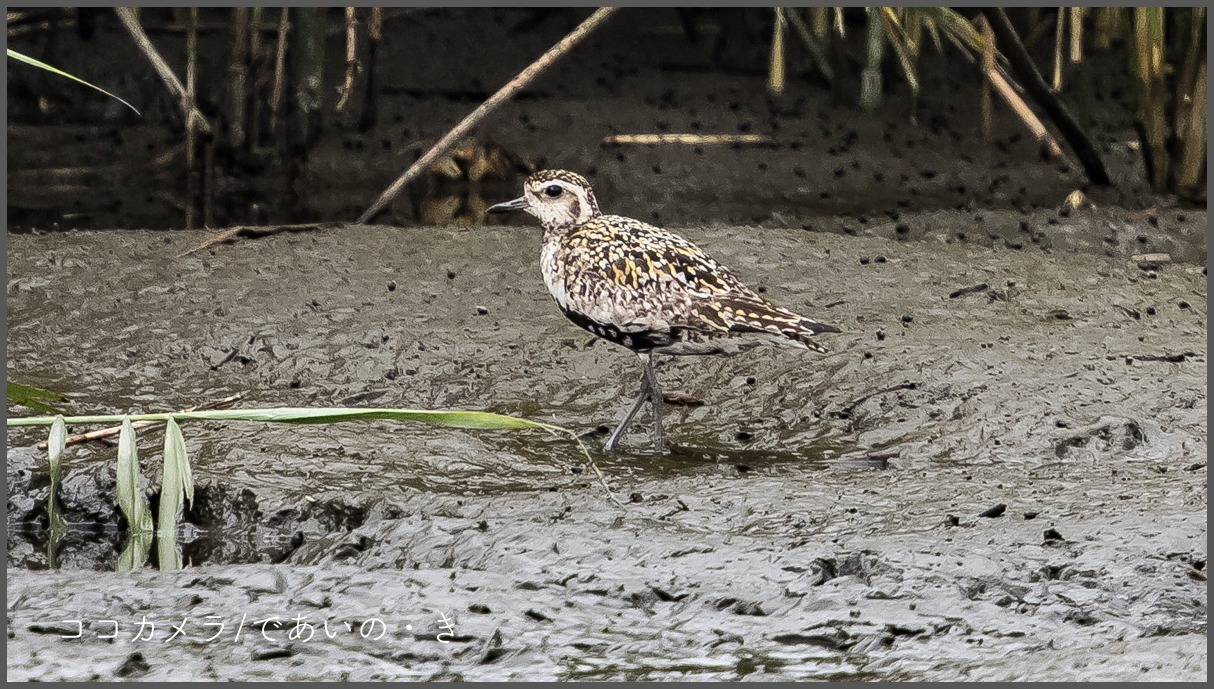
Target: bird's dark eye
[{"x": 553, "y": 190}]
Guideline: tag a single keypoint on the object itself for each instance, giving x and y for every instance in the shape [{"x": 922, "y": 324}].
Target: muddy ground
[{"x": 1071, "y": 390}]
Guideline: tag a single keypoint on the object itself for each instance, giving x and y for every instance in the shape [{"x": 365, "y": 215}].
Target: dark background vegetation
[{"x": 863, "y": 110}]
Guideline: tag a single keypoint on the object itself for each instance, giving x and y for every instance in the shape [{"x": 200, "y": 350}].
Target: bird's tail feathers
[{"x": 753, "y": 315}]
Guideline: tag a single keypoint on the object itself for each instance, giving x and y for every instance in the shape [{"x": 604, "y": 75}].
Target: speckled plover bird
[{"x": 644, "y": 288}]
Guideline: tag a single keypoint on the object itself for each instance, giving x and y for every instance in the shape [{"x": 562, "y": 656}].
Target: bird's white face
[{"x": 558, "y": 199}]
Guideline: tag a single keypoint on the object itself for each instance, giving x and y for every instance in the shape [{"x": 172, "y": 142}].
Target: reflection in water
[{"x": 458, "y": 182}]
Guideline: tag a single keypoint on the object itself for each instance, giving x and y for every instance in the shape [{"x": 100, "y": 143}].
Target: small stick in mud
[
  {"x": 878, "y": 460},
  {"x": 115, "y": 430},
  {"x": 254, "y": 232},
  {"x": 974, "y": 289},
  {"x": 688, "y": 139},
  {"x": 1170, "y": 358},
  {"x": 845, "y": 413},
  {"x": 474, "y": 118}
]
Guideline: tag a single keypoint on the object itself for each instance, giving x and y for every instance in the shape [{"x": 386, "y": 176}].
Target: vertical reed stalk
[
  {"x": 255, "y": 62},
  {"x": 1148, "y": 70},
  {"x": 370, "y": 110},
  {"x": 1059, "y": 32},
  {"x": 280, "y": 72},
  {"x": 1076, "y": 35},
  {"x": 775, "y": 77},
  {"x": 238, "y": 75},
  {"x": 191, "y": 134},
  {"x": 306, "y": 75},
  {"x": 347, "y": 83},
  {"x": 988, "y": 67},
  {"x": 819, "y": 22},
  {"x": 874, "y": 50}
]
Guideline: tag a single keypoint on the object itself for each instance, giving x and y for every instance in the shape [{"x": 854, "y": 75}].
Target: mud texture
[{"x": 819, "y": 516}]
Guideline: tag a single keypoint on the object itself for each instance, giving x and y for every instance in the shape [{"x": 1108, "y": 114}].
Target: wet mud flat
[{"x": 828, "y": 517}]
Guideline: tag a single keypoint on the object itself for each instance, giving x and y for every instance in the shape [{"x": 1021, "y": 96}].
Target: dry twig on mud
[
  {"x": 465, "y": 126},
  {"x": 259, "y": 231}
]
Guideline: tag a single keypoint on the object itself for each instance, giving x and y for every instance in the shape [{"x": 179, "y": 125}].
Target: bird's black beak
[{"x": 516, "y": 205}]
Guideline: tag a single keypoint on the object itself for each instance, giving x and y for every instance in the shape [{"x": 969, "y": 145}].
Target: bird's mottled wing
[{"x": 645, "y": 260}]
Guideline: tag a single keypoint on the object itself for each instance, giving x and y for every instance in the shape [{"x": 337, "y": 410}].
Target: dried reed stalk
[
  {"x": 130, "y": 20},
  {"x": 988, "y": 68},
  {"x": 466, "y": 125},
  {"x": 1025, "y": 113},
  {"x": 191, "y": 135},
  {"x": 821, "y": 63},
  {"x": 688, "y": 139},
  {"x": 347, "y": 84},
  {"x": 238, "y": 74},
  {"x": 1033, "y": 82},
  {"x": 1059, "y": 32},
  {"x": 775, "y": 75},
  {"x": 1076, "y": 35},
  {"x": 280, "y": 72}
]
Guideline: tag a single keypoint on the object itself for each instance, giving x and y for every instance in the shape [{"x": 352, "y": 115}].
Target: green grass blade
[
  {"x": 183, "y": 460},
  {"x": 317, "y": 415},
  {"x": 32, "y": 397},
  {"x": 136, "y": 551},
  {"x": 55, "y": 446},
  {"x": 131, "y": 499},
  {"x": 53, "y": 70},
  {"x": 175, "y": 484}
]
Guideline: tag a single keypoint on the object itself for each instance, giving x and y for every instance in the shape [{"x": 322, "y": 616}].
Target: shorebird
[{"x": 646, "y": 289}]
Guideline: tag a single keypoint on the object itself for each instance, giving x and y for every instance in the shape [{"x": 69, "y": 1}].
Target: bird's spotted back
[{"x": 632, "y": 255}]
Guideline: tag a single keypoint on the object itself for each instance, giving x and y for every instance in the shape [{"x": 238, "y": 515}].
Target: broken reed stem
[
  {"x": 1035, "y": 84},
  {"x": 130, "y": 20},
  {"x": 821, "y": 63},
  {"x": 280, "y": 72},
  {"x": 474, "y": 118},
  {"x": 102, "y": 433},
  {"x": 988, "y": 67},
  {"x": 1025, "y": 113},
  {"x": 687, "y": 139},
  {"x": 775, "y": 78},
  {"x": 347, "y": 84}
]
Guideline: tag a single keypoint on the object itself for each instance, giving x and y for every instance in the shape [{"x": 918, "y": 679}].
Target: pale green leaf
[{"x": 54, "y": 70}]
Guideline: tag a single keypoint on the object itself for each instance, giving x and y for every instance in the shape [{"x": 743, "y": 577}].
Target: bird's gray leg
[
  {"x": 636, "y": 407},
  {"x": 655, "y": 398}
]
